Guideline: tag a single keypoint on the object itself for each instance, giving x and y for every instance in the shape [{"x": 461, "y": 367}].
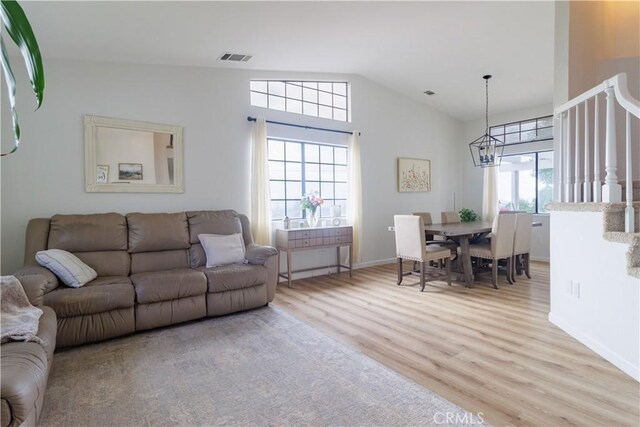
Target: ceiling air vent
[{"x": 235, "y": 57}]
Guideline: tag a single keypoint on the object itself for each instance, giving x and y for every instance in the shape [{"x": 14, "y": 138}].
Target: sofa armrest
[
  {"x": 258, "y": 254},
  {"x": 36, "y": 281}
]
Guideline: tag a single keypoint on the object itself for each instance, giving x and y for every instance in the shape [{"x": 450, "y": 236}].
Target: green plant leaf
[
  {"x": 18, "y": 27},
  {"x": 11, "y": 91}
]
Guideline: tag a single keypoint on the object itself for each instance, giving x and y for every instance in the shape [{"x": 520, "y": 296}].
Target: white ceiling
[{"x": 407, "y": 46}]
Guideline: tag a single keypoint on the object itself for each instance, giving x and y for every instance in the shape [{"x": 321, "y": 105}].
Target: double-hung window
[{"x": 298, "y": 168}]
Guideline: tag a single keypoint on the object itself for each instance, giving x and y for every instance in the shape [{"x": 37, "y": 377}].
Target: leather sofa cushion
[
  {"x": 197, "y": 257},
  {"x": 107, "y": 263},
  {"x": 87, "y": 233},
  {"x": 157, "y": 232},
  {"x": 99, "y": 295},
  {"x": 212, "y": 222},
  {"x": 24, "y": 368},
  {"x": 168, "y": 285},
  {"x": 156, "y": 261},
  {"x": 47, "y": 329},
  {"x": 235, "y": 276}
]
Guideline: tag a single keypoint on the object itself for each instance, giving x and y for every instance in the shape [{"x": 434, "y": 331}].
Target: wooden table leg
[
  {"x": 465, "y": 255},
  {"x": 350, "y": 260},
  {"x": 289, "y": 267},
  {"x": 338, "y": 258}
]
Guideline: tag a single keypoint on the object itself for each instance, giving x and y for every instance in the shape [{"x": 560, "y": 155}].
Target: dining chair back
[
  {"x": 502, "y": 232},
  {"x": 522, "y": 244},
  {"x": 450, "y": 217},
  {"x": 411, "y": 245},
  {"x": 426, "y": 217}
]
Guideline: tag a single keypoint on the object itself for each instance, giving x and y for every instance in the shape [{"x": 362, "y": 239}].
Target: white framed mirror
[{"x": 126, "y": 156}]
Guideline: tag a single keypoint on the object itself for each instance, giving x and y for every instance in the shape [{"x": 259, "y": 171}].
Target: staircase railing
[{"x": 577, "y": 137}]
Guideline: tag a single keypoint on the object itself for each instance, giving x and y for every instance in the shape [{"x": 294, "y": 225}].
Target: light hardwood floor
[{"x": 490, "y": 351}]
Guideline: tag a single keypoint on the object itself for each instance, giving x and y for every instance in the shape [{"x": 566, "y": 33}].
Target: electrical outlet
[{"x": 390, "y": 228}]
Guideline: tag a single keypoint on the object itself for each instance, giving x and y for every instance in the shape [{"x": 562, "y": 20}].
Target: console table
[{"x": 301, "y": 239}]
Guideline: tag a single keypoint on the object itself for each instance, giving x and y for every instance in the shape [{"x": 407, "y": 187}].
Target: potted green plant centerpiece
[
  {"x": 310, "y": 204},
  {"x": 468, "y": 215}
]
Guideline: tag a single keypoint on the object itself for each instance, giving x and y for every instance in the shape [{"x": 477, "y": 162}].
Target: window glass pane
[
  {"x": 339, "y": 115},
  {"x": 312, "y": 172},
  {"x": 528, "y": 125},
  {"x": 276, "y": 149},
  {"x": 293, "y": 209},
  {"x": 294, "y": 171},
  {"x": 326, "y": 190},
  {"x": 341, "y": 155},
  {"x": 517, "y": 183},
  {"x": 497, "y": 130},
  {"x": 293, "y": 151},
  {"x": 311, "y": 153},
  {"x": 325, "y": 112},
  {"x": 545, "y": 133},
  {"x": 276, "y": 88},
  {"x": 310, "y": 95},
  {"x": 294, "y": 106},
  {"x": 529, "y": 135},
  {"x": 326, "y": 154},
  {"x": 276, "y": 103},
  {"x": 324, "y": 98},
  {"x": 312, "y": 186},
  {"x": 326, "y": 86},
  {"x": 277, "y": 210},
  {"x": 341, "y": 173},
  {"x": 294, "y": 91},
  {"x": 339, "y": 101},
  {"x": 340, "y": 88},
  {"x": 341, "y": 191},
  {"x": 512, "y": 128},
  {"x": 277, "y": 189},
  {"x": 260, "y": 86},
  {"x": 309, "y": 109},
  {"x": 294, "y": 190},
  {"x": 326, "y": 172},
  {"x": 343, "y": 207},
  {"x": 545, "y": 122},
  {"x": 259, "y": 99},
  {"x": 276, "y": 170},
  {"x": 512, "y": 137},
  {"x": 313, "y": 85},
  {"x": 545, "y": 180}
]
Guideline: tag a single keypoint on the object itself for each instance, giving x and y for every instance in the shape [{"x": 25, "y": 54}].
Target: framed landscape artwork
[
  {"x": 130, "y": 171},
  {"x": 414, "y": 175}
]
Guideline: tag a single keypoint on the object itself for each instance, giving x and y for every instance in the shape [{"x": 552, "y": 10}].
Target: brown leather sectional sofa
[
  {"x": 151, "y": 271},
  {"x": 25, "y": 365}
]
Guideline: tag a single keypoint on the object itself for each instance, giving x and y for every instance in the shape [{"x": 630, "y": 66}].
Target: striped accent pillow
[{"x": 66, "y": 266}]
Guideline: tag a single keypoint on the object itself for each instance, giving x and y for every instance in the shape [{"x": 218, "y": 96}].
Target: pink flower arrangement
[{"x": 311, "y": 201}]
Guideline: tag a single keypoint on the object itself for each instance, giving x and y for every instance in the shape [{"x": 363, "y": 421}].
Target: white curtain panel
[
  {"x": 260, "y": 197},
  {"x": 490, "y": 194},
  {"x": 354, "y": 200}
]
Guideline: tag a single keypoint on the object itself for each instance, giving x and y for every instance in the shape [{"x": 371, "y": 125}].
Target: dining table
[{"x": 464, "y": 233}]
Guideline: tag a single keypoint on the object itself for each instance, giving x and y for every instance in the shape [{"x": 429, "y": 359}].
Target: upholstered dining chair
[
  {"x": 411, "y": 245},
  {"x": 450, "y": 217},
  {"x": 433, "y": 240},
  {"x": 501, "y": 246},
  {"x": 522, "y": 243}
]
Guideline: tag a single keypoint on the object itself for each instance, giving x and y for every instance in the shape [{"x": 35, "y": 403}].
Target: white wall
[
  {"x": 473, "y": 176},
  {"x": 605, "y": 317},
  {"x": 46, "y": 175}
]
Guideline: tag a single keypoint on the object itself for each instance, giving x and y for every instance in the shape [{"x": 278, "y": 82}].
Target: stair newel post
[
  {"x": 597, "y": 183},
  {"x": 567, "y": 170},
  {"x": 586, "y": 186},
  {"x": 576, "y": 185},
  {"x": 629, "y": 220},
  {"x": 612, "y": 190}
]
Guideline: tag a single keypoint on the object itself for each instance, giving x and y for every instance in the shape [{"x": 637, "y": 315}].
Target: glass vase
[{"x": 312, "y": 219}]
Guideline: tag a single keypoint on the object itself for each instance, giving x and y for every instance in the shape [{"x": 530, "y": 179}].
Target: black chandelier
[{"x": 486, "y": 151}]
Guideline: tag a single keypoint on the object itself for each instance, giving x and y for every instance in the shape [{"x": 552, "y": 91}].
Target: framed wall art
[{"x": 414, "y": 175}]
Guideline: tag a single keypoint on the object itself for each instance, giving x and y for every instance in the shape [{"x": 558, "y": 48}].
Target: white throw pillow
[
  {"x": 68, "y": 267},
  {"x": 223, "y": 249}
]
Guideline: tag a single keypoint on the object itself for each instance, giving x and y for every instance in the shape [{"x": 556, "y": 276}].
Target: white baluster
[
  {"x": 611, "y": 190},
  {"x": 586, "y": 187},
  {"x": 576, "y": 185},
  {"x": 567, "y": 170},
  {"x": 597, "y": 183},
  {"x": 559, "y": 188},
  {"x": 629, "y": 220}
]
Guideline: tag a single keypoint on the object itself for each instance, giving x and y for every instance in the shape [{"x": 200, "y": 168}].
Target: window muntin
[
  {"x": 329, "y": 100},
  {"x": 525, "y": 182},
  {"x": 539, "y": 129},
  {"x": 297, "y": 168}
]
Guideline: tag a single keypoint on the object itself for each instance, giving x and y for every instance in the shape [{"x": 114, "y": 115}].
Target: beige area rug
[{"x": 258, "y": 368}]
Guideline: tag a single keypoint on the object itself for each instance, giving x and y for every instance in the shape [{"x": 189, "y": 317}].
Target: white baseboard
[{"x": 613, "y": 357}]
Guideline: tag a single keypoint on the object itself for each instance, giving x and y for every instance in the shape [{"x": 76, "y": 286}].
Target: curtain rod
[{"x": 253, "y": 119}]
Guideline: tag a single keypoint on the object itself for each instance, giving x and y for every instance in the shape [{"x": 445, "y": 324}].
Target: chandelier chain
[{"x": 486, "y": 108}]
